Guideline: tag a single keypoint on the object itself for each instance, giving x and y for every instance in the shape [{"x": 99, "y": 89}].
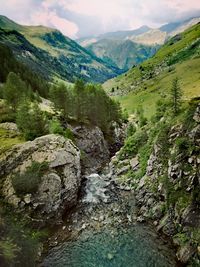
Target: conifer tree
[
  {"x": 14, "y": 89},
  {"x": 176, "y": 94}
]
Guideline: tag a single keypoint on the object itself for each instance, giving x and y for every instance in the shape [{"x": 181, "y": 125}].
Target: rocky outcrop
[
  {"x": 93, "y": 146},
  {"x": 59, "y": 185},
  {"x": 168, "y": 194}
]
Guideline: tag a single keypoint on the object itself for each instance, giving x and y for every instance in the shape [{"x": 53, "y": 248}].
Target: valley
[{"x": 100, "y": 147}]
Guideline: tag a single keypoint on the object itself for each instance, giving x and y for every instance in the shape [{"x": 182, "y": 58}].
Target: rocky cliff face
[
  {"x": 93, "y": 147},
  {"x": 59, "y": 184},
  {"x": 168, "y": 193}
]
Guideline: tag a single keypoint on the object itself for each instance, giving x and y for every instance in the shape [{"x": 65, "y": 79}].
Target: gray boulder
[
  {"x": 94, "y": 148},
  {"x": 59, "y": 185}
]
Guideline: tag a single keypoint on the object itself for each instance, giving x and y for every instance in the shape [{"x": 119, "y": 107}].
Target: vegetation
[
  {"x": 32, "y": 79},
  {"x": 31, "y": 120},
  {"x": 86, "y": 103},
  {"x": 28, "y": 182},
  {"x": 19, "y": 245},
  {"x": 176, "y": 95},
  {"x": 8, "y": 139},
  {"x": 151, "y": 81},
  {"x": 51, "y": 54}
]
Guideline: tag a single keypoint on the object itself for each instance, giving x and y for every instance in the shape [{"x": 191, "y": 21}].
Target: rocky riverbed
[{"x": 103, "y": 231}]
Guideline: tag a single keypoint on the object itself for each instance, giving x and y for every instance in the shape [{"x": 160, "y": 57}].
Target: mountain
[
  {"x": 53, "y": 54},
  {"x": 124, "y": 49},
  {"x": 118, "y": 49},
  {"x": 122, "y": 54},
  {"x": 151, "y": 80}
]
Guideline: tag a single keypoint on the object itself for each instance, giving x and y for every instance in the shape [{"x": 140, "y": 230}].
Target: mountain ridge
[{"x": 72, "y": 60}]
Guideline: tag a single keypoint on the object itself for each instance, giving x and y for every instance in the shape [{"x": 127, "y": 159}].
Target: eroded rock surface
[{"x": 59, "y": 186}]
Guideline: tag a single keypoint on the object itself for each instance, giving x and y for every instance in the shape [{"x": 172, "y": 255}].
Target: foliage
[
  {"x": 14, "y": 89},
  {"x": 19, "y": 245},
  {"x": 69, "y": 134},
  {"x": 8, "y": 251},
  {"x": 86, "y": 103},
  {"x": 31, "y": 120},
  {"x": 176, "y": 94},
  {"x": 56, "y": 128},
  {"x": 133, "y": 143},
  {"x": 31, "y": 79},
  {"x": 8, "y": 139},
  {"x": 140, "y": 116},
  {"x": 28, "y": 182},
  {"x": 131, "y": 129}
]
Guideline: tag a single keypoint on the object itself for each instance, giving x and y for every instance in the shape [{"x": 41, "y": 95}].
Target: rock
[
  {"x": 134, "y": 162},
  {"x": 59, "y": 186},
  {"x": 185, "y": 253},
  {"x": 167, "y": 225},
  {"x": 191, "y": 216},
  {"x": 27, "y": 199},
  {"x": 157, "y": 211},
  {"x": 196, "y": 116},
  {"x": 142, "y": 182},
  {"x": 140, "y": 219},
  {"x": 122, "y": 170},
  {"x": 110, "y": 256},
  {"x": 95, "y": 152},
  {"x": 10, "y": 126}
]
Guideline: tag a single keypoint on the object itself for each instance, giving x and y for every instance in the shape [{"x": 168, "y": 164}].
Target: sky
[{"x": 82, "y": 18}]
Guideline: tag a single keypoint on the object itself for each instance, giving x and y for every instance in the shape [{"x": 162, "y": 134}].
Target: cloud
[
  {"x": 51, "y": 19},
  {"x": 89, "y": 17}
]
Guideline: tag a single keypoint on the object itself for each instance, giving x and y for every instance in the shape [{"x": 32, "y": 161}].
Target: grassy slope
[
  {"x": 8, "y": 140},
  {"x": 176, "y": 58},
  {"x": 189, "y": 73},
  {"x": 71, "y": 61}
]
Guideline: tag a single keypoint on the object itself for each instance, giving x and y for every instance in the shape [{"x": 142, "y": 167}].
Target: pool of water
[{"x": 135, "y": 246}]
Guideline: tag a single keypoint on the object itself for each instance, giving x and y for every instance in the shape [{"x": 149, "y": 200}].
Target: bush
[
  {"x": 183, "y": 144},
  {"x": 131, "y": 129},
  {"x": 31, "y": 121},
  {"x": 28, "y": 182},
  {"x": 133, "y": 143},
  {"x": 69, "y": 134},
  {"x": 56, "y": 128}
]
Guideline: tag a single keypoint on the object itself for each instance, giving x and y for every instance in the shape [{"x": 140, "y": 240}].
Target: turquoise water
[{"x": 135, "y": 246}]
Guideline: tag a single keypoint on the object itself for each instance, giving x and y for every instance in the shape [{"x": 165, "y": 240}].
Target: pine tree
[
  {"x": 31, "y": 121},
  {"x": 176, "y": 94},
  {"x": 14, "y": 89}
]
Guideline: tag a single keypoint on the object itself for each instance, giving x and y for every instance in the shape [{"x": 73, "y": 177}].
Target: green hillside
[
  {"x": 151, "y": 80},
  {"x": 121, "y": 53},
  {"x": 60, "y": 56}
]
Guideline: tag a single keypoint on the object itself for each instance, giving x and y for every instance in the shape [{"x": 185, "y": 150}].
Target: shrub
[
  {"x": 29, "y": 181},
  {"x": 133, "y": 143},
  {"x": 183, "y": 144},
  {"x": 31, "y": 121},
  {"x": 69, "y": 134},
  {"x": 8, "y": 251},
  {"x": 56, "y": 128},
  {"x": 131, "y": 129}
]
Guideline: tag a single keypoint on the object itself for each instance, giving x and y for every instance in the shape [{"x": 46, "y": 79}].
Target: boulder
[
  {"x": 95, "y": 152},
  {"x": 58, "y": 189},
  {"x": 134, "y": 162},
  {"x": 185, "y": 253}
]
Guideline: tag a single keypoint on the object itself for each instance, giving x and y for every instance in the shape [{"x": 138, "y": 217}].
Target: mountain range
[
  {"x": 52, "y": 54},
  {"x": 94, "y": 59},
  {"x": 151, "y": 80},
  {"x": 124, "y": 49}
]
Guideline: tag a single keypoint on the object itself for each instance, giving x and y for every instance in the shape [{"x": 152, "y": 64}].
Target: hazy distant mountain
[
  {"x": 62, "y": 57},
  {"x": 127, "y": 48},
  {"x": 122, "y": 54}
]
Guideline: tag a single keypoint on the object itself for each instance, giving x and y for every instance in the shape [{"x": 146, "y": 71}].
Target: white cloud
[
  {"x": 84, "y": 17},
  {"x": 51, "y": 19}
]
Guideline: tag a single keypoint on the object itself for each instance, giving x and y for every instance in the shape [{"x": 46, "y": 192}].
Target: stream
[{"x": 103, "y": 232}]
